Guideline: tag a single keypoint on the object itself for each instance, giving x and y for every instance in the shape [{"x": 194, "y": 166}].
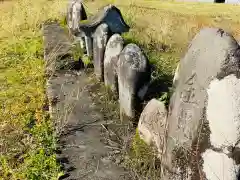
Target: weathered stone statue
[
  {"x": 75, "y": 14},
  {"x": 109, "y": 15},
  {"x": 202, "y": 140},
  {"x": 152, "y": 125},
  {"x": 133, "y": 73},
  {"x": 112, "y": 52},
  {"x": 100, "y": 38},
  {"x": 205, "y": 108}
]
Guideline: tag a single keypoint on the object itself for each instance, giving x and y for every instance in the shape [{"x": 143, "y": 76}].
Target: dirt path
[{"x": 83, "y": 149}]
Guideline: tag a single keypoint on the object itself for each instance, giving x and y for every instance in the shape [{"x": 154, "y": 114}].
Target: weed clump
[{"x": 142, "y": 159}]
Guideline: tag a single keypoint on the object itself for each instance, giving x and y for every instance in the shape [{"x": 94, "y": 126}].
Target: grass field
[
  {"x": 27, "y": 140},
  {"x": 166, "y": 28}
]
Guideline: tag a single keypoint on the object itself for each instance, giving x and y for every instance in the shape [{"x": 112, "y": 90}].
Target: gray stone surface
[
  {"x": 75, "y": 13},
  {"x": 204, "y": 109},
  {"x": 84, "y": 154},
  {"x": 152, "y": 125},
  {"x": 133, "y": 74},
  {"x": 112, "y": 52},
  {"x": 110, "y": 15},
  {"x": 78, "y": 122},
  {"x": 57, "y": 48},
  {"x": 176, "y": 76},
  {"x": 89, "y": 46},
  {"x": 100, "y": 38}
]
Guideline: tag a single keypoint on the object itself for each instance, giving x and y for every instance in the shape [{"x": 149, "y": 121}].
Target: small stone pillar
[
  {"x": 112, "y": 52},
  {"x": 100, "y": 38},
  {"x": 133, "y": 73}
]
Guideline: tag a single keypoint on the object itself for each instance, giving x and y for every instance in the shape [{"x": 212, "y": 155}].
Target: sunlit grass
[
  {"x": 164, "y": 30},
  {"x": 172, "y": 24},
  {"x": 27, "y": 143}
]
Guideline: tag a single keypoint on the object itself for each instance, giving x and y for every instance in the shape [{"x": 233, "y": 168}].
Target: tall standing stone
[
  {"x": 112, "y": 52},
  {"x": 75, "y": 14},
  {"x": 204, "y": 123},
  {"x": 176, "y": 76},
  {"x": 133, "y": 73},
  {"x": 100, "y": 38}
]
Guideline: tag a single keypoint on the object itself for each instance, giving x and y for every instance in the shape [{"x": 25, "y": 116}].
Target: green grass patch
[
  {"x": 77, "y": 51},
  {"x": 27, "y": 137},
  {"x": 163, "y": 57},
  {"x": 87, "y": 61},
  {"x": 142, "y": 160}
]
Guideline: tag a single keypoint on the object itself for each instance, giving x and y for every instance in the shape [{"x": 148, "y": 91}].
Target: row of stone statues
[
  {"x": 197, "y": 136},
  {"x": 84, "y": 28},
  {"x": 125, "y": 70}
]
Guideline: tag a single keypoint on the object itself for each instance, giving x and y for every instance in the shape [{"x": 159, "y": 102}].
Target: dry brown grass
[
  {"x": 173, "y": 23},
  {"x": 27, "y": 141},
  {"x": 26, "y": 153}
]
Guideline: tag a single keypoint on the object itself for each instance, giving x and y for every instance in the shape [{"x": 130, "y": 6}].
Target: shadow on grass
[
  {"x": 160, "y": 83},
  {"x": 156, "y": 89}
]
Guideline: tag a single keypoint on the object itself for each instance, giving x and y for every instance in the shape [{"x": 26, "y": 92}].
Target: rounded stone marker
[
  {"x": 112, "y": 52},
  {"x": 100, "y": 38},
  {"x": 204, "y": 110},
  {"x": 133, "y": 73},
  {"x": 152, "y": 125}
]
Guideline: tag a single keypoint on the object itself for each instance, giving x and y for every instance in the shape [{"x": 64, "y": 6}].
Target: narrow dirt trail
[{"x": 83, "y": 150}]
